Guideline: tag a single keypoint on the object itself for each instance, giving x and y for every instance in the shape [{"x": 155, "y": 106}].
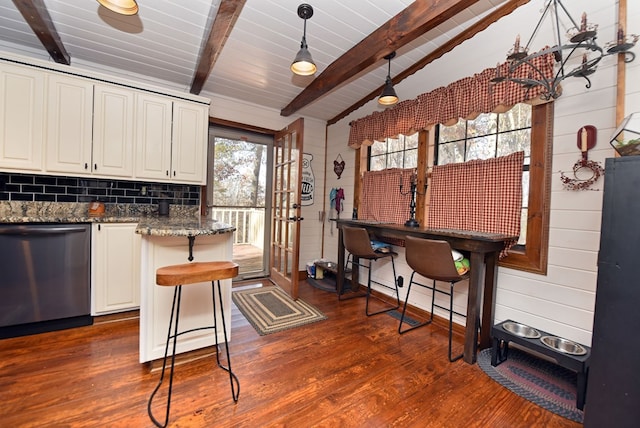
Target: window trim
[{"x": 534, "y": 257}]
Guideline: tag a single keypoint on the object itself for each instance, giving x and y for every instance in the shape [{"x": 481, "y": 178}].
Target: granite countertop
[
  {"x": 181, "y": 226},
  {"x": 181, "y": 221}
]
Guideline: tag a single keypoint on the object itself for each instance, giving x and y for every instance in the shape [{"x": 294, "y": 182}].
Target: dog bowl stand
[{"x": 576, "y": 363}]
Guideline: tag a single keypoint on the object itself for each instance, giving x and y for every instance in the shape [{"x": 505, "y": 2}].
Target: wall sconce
[
  {"x": 123, "y": 7},
  {"x": 303, "y": 64},
  {"x": 388, "y": 96}
]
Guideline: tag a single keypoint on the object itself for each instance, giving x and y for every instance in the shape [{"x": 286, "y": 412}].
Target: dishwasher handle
[{"x": 40, "y": 230}]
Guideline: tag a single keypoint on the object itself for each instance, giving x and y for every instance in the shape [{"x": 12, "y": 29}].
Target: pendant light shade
[
  {"x": 303, "y": 64},
  {"x": 388, "y": 96},
  {"x": 123, "y": 7}
]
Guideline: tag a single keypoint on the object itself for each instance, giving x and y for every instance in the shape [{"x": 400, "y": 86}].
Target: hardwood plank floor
[{"x": 347, "y": 371}]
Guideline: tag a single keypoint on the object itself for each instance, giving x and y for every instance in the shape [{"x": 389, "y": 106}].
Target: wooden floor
[{"x": 347, "y": 371}]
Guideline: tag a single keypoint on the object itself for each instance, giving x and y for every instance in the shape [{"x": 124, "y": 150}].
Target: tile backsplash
[{"x": 45, "y": 188}]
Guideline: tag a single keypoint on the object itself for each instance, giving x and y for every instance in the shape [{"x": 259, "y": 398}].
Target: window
[
  {"x": 401, "y": 152},
  {"x": 530, "y": 126},
  {"x": 527, "y": 128},
  {"x": 488, "y": 136}
]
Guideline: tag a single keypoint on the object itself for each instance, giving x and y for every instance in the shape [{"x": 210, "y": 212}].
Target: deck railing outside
[{"x": 249, "y": 224}]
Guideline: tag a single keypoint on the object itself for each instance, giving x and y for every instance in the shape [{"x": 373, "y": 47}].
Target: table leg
[
  {"x": 340, "y": 273},
  {"x": 476, "y": 284},
  {"x": 488, "y": 298}
]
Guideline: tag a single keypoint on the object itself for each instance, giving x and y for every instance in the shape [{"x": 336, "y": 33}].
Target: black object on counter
[{"x": 163, "y": 207}]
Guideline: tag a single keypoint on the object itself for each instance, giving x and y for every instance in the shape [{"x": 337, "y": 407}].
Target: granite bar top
[
  {"x": 181, "y": 221},
  {"x": 181, "y": 226}
]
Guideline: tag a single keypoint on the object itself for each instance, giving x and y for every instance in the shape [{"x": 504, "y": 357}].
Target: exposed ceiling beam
[
  {"x": 418, "y": 18},
  {"x": 225, "y": 19},
  {"x": 38, "y": 18},
  {"x": 467, "y": 34}
]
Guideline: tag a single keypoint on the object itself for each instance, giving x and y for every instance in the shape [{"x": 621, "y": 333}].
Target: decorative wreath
[{"x": 580, "y": 184}]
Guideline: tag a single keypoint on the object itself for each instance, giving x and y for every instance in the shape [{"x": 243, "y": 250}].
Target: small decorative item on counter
[
  {"x": 163, "y": 207},
  {"x": 96, "y": 209},
  {"x": 626, "y": 137}
]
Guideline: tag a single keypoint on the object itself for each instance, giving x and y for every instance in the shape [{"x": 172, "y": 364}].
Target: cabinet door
[
  {"x": 21, "y": 117},
  {"x": 69, "y": 124},
  {"x": 116, "y": 267},
  {"x": 189, "y": 145},
  {"x": 113, "y": 131},
  {"x": 153, "y": 137}
]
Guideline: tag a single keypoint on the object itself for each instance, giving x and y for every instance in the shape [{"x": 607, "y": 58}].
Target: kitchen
[{"x": 561, "y": 301}]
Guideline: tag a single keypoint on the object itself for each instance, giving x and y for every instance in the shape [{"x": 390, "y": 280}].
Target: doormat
[
  {"x": 269, "y": 309},
  {"x": 542, "y": 382}
]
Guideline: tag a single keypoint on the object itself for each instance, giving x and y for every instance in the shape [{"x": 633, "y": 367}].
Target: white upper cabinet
[
  {"x": 21, "y": 117},
  {"x": 69, "y": 124},
  {"x": 113, "y": 119},
  {"x": 153, "y": 137},
  {"x": 189, "y": 155},
  {"x": 62, "y": 124}
]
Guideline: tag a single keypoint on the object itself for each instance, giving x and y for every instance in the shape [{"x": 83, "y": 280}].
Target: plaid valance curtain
[
  {"x": 478, "y": 195},
  {"x": 382, "y": 200},
  {"x": 465, "y": 98}
]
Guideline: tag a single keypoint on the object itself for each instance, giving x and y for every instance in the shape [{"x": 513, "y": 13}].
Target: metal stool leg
[
  {"x": 175, "y": 307},
  {"x": 404, "y": 310},
  {"x": 389, "y": 308},
  {"x": 233, "y": 379}
]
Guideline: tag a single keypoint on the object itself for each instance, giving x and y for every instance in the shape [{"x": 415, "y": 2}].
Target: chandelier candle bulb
[{"x": 583, "y": 24}]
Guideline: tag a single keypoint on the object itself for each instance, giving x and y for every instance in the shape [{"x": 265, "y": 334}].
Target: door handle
[{"x": 296, "y": 218}]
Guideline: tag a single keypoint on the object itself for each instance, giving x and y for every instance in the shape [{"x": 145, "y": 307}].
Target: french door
[{"x": 285, "y": 227}]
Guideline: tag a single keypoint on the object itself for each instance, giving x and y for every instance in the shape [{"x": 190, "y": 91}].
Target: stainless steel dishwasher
[{"x": 44, "y": 277}]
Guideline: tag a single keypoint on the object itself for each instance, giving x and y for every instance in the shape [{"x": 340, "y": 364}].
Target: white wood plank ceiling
[{"x": 161, "y": 44}]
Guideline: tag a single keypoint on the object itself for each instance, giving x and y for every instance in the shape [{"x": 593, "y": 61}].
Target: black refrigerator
[{"x": 613, "y": 389}]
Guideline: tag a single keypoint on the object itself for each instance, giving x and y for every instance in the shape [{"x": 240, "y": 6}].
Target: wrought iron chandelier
[{"x": 578, "y": 57}]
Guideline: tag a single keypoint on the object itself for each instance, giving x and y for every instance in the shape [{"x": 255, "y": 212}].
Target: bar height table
[{"x": 484, "y": 249}]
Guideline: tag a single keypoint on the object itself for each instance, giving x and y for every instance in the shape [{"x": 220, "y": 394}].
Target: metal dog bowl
[
  {"x": 563, "y": 345},
  {"x": 521, "y": 330}
]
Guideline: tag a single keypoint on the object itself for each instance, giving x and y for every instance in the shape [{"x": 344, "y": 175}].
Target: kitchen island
[{"x": 177, "y": 240}]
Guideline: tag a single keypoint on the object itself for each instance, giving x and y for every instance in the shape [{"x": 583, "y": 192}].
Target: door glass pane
[{"x": 239, "y": 183}]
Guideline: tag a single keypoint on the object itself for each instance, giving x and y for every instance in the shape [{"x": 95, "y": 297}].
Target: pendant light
[
  {"x": 388, "y": 96},
  {"x": 123, "y": 7},
  {"x": 303, "y": 64}
]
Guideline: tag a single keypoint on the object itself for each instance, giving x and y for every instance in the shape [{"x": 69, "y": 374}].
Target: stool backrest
[
  {"x": 431, "y": 258},
  {"x": 357, "y": 242}
]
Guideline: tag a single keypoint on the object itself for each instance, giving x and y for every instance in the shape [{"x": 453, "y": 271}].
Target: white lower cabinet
[{"x": 115, "y": 270}]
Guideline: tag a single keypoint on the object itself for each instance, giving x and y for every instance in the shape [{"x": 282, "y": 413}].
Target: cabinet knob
[
  {"x": 95, "y": 166},
  {"x": 167, "y": 173},
  {"x": 86, "y": 165}
]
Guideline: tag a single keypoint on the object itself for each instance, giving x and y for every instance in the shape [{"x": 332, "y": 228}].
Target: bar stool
[
  {"x": 358, "y": 244},
  {"x": 433, "y": 260},
  {"x": 191, "y": 273}
]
